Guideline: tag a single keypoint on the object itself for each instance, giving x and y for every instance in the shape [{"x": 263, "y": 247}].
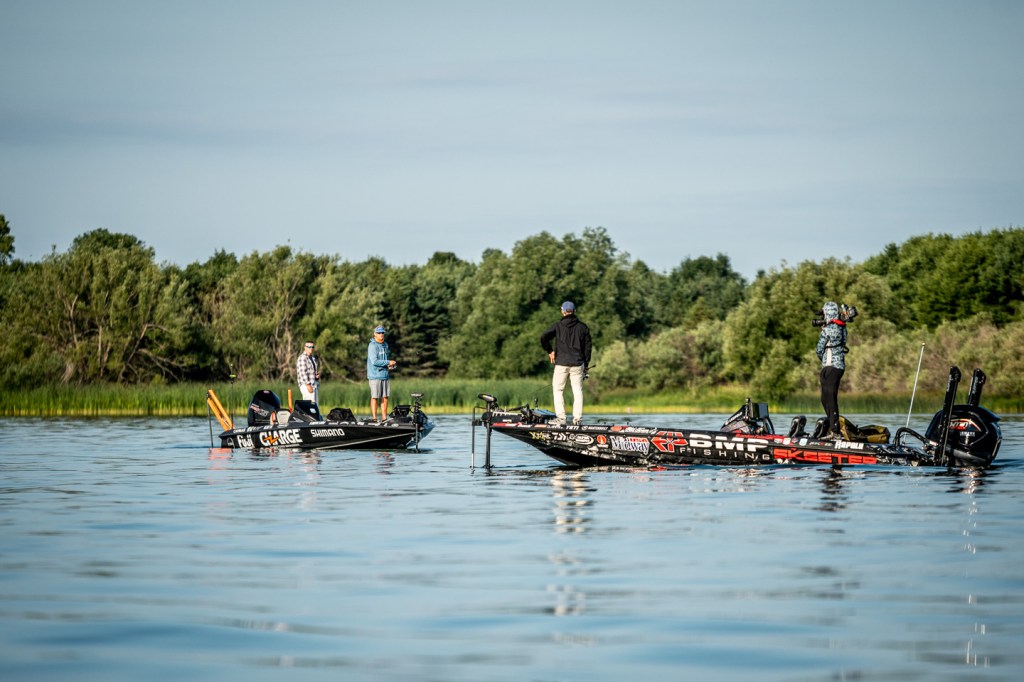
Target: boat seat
[
  {"x": 283, "y": 416},
  {"x": 305, "y": 411},
  {"x": 341, "y": 414}
]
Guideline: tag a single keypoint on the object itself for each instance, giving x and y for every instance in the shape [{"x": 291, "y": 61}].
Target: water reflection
[
  {"x": 571, "y": 494},
  {"x": 833, "y": 497},
  {"x": 967, "y": 481},
  {"x": 569, "y": 600},
  {"x": 569, "y": 489},
  {"x": 383, "y": 462}
]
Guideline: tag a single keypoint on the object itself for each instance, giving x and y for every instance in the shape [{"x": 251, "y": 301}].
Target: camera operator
[{"x": 832, "y": 351}]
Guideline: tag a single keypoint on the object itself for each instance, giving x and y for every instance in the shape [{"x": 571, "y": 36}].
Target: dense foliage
[{"x": 105, "y": 311}]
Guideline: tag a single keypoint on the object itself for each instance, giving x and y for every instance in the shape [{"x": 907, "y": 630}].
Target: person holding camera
[
  {"x": 571, "y": 358},
  {"x": 832, "y": 352}
]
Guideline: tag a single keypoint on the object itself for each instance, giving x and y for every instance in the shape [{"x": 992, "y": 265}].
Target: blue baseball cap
[
  {"x": 380, "y": 330},
  {"x": 569, "y": 307}
]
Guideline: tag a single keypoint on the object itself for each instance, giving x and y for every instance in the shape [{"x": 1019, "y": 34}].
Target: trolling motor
[
  {"x": 960, "y": 434},
  {"x": 490, "y": 407},
  {"x": 493, "y": 414}
]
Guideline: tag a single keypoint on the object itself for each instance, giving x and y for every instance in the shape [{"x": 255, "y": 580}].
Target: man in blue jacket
[
  {"x": 571, "y": 358},
  {"x": 378, "y": 365}
]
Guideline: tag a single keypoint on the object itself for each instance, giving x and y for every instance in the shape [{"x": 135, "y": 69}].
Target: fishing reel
[{"x": 846, "y": 314}]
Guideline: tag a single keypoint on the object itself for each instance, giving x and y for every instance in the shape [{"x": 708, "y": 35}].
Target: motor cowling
[
  {"x": 973, "y": 435},
  {"x": 263, "y": 405}
]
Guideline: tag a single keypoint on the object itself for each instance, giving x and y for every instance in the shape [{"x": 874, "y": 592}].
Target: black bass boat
[
  {"x": 303, "y": 427},
  {"x": 959, "y": 435}
]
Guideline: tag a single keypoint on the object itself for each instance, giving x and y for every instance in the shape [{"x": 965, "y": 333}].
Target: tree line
[{"x": 106, "y": 311}]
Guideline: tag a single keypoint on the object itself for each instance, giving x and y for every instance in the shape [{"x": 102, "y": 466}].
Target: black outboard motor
[
  {"x": 263, "y": 405},
  {"x": 966, "y": 435}
]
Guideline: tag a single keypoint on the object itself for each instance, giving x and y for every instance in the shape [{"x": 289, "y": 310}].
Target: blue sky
[{"x": 768, "y": 131}]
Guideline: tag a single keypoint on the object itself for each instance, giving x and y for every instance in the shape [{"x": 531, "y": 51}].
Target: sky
[{"x": 773, "y": 132}]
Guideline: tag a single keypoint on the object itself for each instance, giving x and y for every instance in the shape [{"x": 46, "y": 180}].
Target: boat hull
[
  {"x": 328, "y": 436},
  {"x": 637, "y": 446}
]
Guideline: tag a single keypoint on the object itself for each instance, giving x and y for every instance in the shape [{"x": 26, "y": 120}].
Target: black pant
[{"x": 830, "y": 377}]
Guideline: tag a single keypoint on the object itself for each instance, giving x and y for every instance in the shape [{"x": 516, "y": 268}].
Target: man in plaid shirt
[{"x": 309, "y": 374}]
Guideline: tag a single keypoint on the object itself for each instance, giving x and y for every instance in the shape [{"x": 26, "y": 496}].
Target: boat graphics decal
[
  {"x": 644, "y": 430},
  {"x": 287, "y": 437},
  {"x": 630, "y": 443},
  {"x": 327, "y": 433},
  {"x": 667, "y": 441}
]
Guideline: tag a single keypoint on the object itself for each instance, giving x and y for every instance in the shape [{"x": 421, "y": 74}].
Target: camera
[{"x": 846, "y": 314}]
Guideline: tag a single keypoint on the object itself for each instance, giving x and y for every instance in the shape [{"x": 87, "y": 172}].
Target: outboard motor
[
  {"x": 263, "y": 405},
  {"x": 965, "y": 434}
]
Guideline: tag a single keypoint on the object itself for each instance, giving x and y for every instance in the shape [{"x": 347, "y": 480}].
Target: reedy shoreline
[{"x": 444, "y": 396}]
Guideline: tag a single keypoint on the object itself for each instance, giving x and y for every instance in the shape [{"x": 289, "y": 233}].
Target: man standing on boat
[
  {"x": 571, "y": 358},
  {"x": 378, "y": 366},
  {"x": 831, "y": 351},
  {"x": 308, "y": 372}
]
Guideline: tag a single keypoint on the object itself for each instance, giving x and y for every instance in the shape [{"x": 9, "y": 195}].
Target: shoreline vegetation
[
  {"x": 105, "y": 329},
  {"x": 448, "y": 396}
]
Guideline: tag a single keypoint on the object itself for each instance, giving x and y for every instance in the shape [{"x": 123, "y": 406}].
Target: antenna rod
[{"x": 914, "y": 392}]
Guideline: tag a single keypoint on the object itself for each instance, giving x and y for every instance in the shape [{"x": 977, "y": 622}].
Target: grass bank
[{"x": 440, "y": 396}]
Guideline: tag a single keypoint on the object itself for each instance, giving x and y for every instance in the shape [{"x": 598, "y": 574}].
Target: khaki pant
[
  {"x": 575, "y": 377},
  {"x": 314, "y": 396}
]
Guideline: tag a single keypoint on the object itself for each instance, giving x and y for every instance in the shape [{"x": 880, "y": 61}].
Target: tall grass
[{"x": 440, "y": 396}]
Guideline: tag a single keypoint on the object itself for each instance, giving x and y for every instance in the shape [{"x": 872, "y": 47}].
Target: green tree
[
  {"x": 258, "y": 319},
  {"x": 107, "y": 311},
  {"x": 700, "y": 289},
  {"x": 768, "y": 336},
  {"x": 6, "y": 241},
  {"x": 203, "y": 292},
  {"x": 349, "y": 303},
  {"x": 419, "y": 301},
  {"x": 500, "y": 311},
  {"x": 944, "y": 278}
]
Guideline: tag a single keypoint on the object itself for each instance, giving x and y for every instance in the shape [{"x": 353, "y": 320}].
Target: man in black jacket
[{"x": 571, "y": 358}]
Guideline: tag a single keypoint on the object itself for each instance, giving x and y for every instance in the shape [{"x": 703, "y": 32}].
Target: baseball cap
[
  {"x": 569, "y": 307},
  {"x": 380, "y": 330}
]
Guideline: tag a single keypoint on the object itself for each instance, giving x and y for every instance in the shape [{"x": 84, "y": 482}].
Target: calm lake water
[{"x": 131, "y": 550}]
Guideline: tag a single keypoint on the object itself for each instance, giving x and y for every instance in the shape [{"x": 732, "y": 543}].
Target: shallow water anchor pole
[
  {"x": 914, "y": 392},
  {"x": 472, "y": 441},
  {"x": 487, "y": 449},
  {"x": 209, "y": 421}
]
